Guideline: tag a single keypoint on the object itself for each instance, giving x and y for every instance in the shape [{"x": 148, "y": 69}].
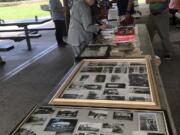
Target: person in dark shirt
[{"x": 125, "y": 8}]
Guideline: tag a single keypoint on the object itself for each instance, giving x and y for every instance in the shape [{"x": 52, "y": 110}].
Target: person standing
[
  {"x": 125, "y": 10},
  {"x": 58, "y": 18},
  {"x": 82, "y": 28},
  {"x": 158, "y": 21}
]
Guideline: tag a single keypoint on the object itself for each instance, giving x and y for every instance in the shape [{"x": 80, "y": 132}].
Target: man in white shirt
[{"x": 58, "y": 17}]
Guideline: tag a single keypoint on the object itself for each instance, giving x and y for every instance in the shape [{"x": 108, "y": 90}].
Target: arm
[
  {"x": 56, "y": 6},
  {"x": 86, "y": 19},
  {"x": 130, "y": 5}
]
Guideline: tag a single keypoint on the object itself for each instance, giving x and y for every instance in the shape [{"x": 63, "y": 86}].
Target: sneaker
[
  {"x": 167, "y": 57},
  {"x": 63, "y": 44}
]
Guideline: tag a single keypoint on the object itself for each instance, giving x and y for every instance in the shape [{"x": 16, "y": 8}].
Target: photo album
[
  {"x": 110, "y": 83},
  {"x": 94, "y": 51},
  {"x": 48, "y": 120}
]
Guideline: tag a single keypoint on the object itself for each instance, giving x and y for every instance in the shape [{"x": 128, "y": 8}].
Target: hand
[
  {"x": 122, "y": 18},
  {"x": 103, "y": 26},
  {"x": 127, "y": 15}
]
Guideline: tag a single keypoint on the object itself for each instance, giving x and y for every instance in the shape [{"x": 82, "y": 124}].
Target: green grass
[{"x": 22, "y": 11}]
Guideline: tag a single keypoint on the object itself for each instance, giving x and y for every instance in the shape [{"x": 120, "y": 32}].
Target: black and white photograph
[
  {"x": 107, "y": 69},
  {"x": 134, "y": 70},
  {"x": 76, "y": 86},
  {"x": 123, "y": 115},
  {"x": 87, "y": 126},
  {"x": 124, "y": 69},
  {"x": 115, "y": 78},
  {"x": 73, "y": 96},
  {"x": 113, "y": 128},
  {"x": 117, "y": 70},
  {"x": 61, "y": 125},
  {"x": 120, "y": 98},
  {"x": 142, "y": 70},
  {"x": 116, "y": 85},
  {"x": 94, "y": 51},
  {"x": 98, "y": 114},
  {"x": 92, "y": 95},
  {"x": 138, "y": 98},
  {"x": 92, "y": 87},
  {"x": 67, "y": 113},
  {"x": 107, "y": 64},
  {"x": 44, "y": 110},
  {"x": 111, "y": 92},
  {"x": 140, "y": 90},
  {"x": 137, "y": 70},
  {"x": 100, "y": 78},
  {"x": 84, "y": 77},
  {"x": 92, "y": 69},
  {"x": 34, "y": 120},
  {"x": 138, "y": 80},
  {"x": 121, "y": 69},
  {"x": 148, "y": 122},
  {"x": 23, "y": 131}
]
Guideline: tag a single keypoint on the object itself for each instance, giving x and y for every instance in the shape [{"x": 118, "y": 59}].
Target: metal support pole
[
  {"x": 27, "y": 37},
  {"x": 1, "y": 61}
]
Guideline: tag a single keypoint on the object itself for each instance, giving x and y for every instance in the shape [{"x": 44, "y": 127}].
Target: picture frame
[
  {"x": 112, "y": 91},
  {"x": 60, "y": 120},
  {"x": 94, "y": 52}
]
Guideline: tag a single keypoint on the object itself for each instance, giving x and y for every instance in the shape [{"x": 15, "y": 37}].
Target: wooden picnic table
[{"x": 24, "y": 24}]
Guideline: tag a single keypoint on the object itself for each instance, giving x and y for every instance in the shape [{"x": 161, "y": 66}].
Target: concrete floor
[
  {"x": 170, "y": 74},
  {"x": 33, "y": 84}
]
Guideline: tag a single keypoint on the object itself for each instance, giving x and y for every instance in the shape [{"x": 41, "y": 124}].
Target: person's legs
[
  {"x": 60, "y": 32},
  {"x": 76, "y": 50},
  {"x": 151, "y": 27},
  {"x": 162, "y": 24}
]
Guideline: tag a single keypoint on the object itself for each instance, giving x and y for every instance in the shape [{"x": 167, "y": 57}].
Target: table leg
[
  {"x": 1, "y": 61},
  {"x": 27, "y": 38}
]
